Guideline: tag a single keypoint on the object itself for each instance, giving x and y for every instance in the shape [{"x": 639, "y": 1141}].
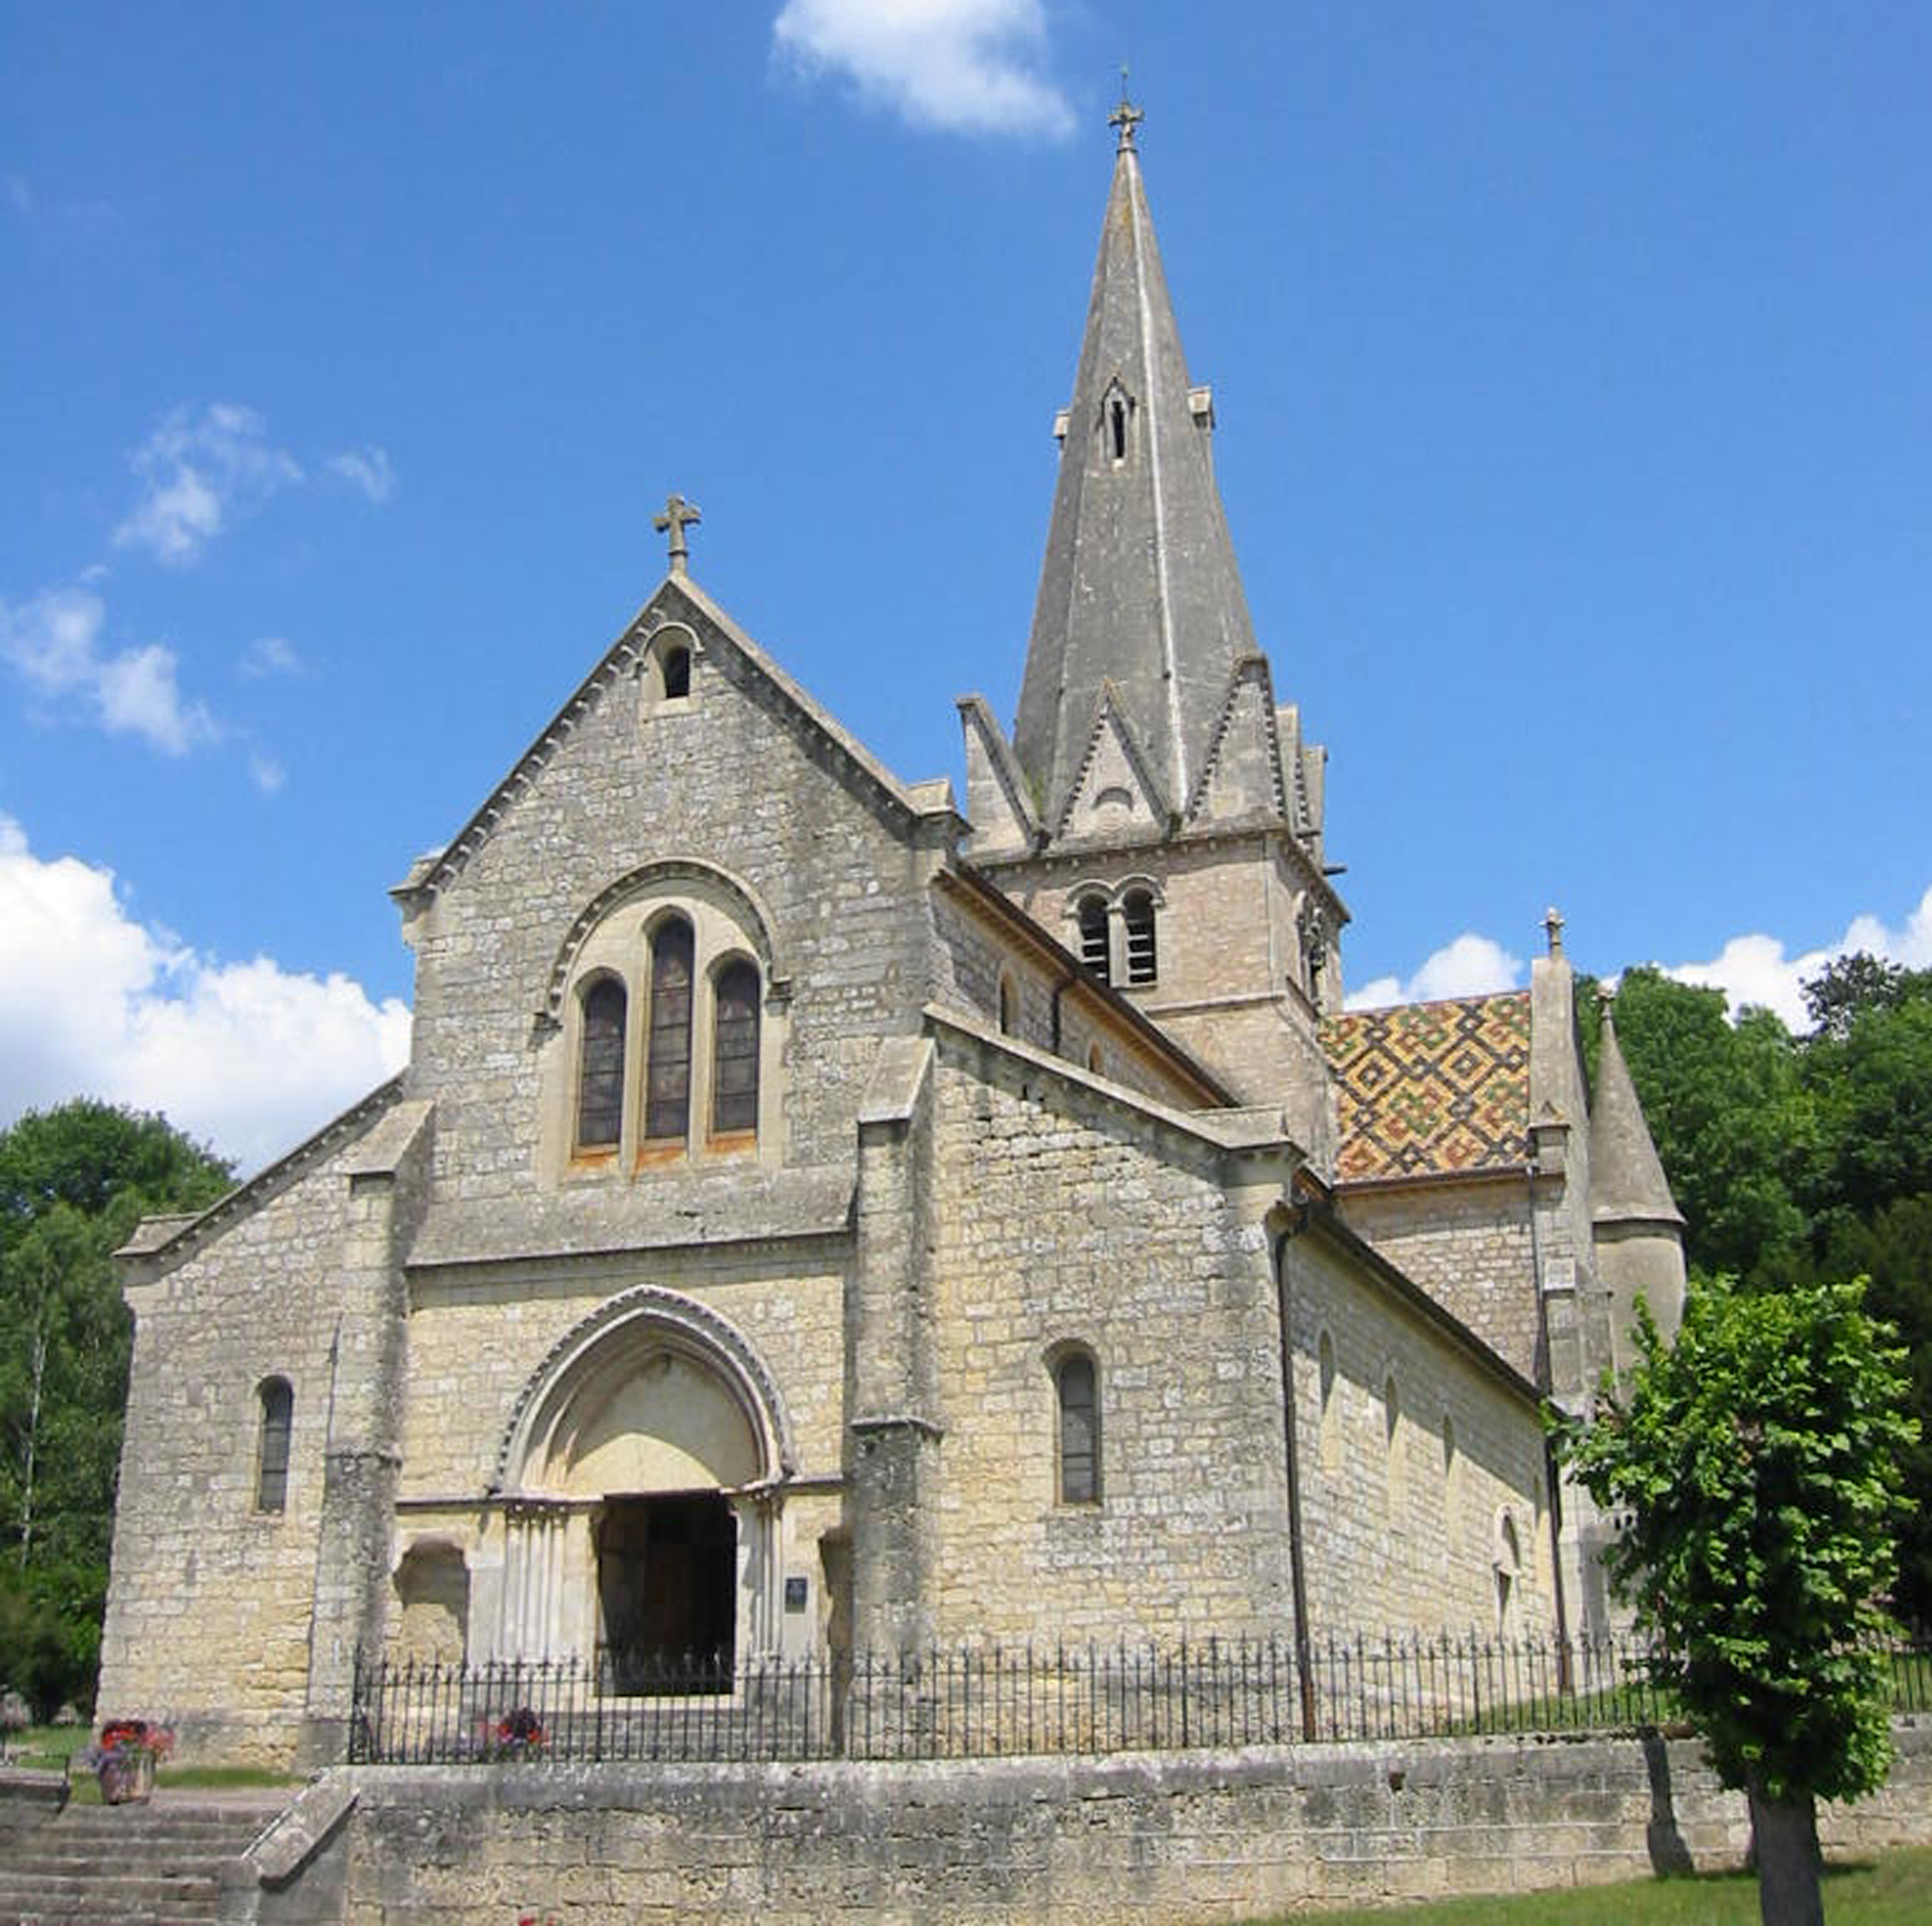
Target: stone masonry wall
[
  {"x": 1404, "y": 1527},
  {"x": 208, "y": 1615},
  {"x": 1189, "y": 1840},
  {"x": 1469, "y": 1246},
  {"x": 729, "y": 777},
  {"x": 1066, "y": 1218}
]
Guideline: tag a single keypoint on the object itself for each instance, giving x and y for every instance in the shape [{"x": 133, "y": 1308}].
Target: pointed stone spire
[
  {"x": 1627, "y": 1180},
  {"x": 1139, "y": 588}
]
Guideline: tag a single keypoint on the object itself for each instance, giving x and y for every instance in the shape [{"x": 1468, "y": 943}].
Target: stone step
[{"x": 155, "y": 1864}]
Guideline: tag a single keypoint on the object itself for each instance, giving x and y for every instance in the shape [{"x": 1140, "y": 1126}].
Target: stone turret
[{"x": 1635, "y": 1225}]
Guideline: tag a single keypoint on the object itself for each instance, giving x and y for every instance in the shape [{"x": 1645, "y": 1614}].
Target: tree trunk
[{"x": 1784, "y": 1843}]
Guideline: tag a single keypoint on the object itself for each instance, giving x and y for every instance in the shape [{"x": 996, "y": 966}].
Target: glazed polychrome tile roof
[{"x": 1427, "y": 1090}]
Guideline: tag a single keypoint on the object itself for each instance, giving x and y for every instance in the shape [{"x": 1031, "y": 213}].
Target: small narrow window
[
  {"x": 734, "y": 1078},
  {"x": 1137, "y": 915},
  {"x": 668, "y": 1070},
  {"x": 1009, "y": 1006},
  {"x": 1095, "y": 1058},
  {"x": 272, "y": 1474},
  {"x": 1117, "y": 426},
  {"x": 600, "y": 1090},
  {"x": 676, "y": 673},
  {"x": 1079, "y": 1430},
  {"x": 1093, "y": 954}
]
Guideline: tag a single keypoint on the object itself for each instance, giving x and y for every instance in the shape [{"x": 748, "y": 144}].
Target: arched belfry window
[
  {"x": 734, "y": 1076},
  {"x": 1094, "y": 939},
  {"x": 1137, "y": 922},
  {"x": 676, "y": 672},
  {"x": 600, "y": 1088},
  {"x": 668, "y": 1065},
  {"x": 1077, "y": 1393},
  {"x": 272, "y": 1458}
]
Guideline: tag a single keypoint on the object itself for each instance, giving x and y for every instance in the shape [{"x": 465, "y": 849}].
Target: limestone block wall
[
  {"x": 209, "y": 1598},
  {"x": 729, "y": 776},
  {"x": 1066, "y": 1218},
  {"x": 980, "y": 958},
  {"x": 1186, "y": 1840},
  {"x": 1422, "y": 1475},
  {"x": 1470, "y": 1246}
]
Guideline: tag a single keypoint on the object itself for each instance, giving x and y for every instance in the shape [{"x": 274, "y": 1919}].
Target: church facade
[{"x": 820, "y": 1218}]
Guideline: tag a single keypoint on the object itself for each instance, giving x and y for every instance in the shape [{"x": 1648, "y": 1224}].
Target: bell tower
[{"x": 1156, "y": 806}]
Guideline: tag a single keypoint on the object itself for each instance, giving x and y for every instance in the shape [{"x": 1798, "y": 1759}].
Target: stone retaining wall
[{"x": 1157, "y": 1841}]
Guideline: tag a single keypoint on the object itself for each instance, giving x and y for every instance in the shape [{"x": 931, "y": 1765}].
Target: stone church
[{"x": 819, "y": 1218}]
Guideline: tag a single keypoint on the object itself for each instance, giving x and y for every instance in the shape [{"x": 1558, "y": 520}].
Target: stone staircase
[{"x": 155, "y": 1864}]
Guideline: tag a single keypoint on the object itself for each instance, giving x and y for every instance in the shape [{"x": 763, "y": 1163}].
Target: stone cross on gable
[
  {"x": 1552, "y": 925},
  {"x": 1125, "y": 117},
  {"x": 677, "y": 513}
]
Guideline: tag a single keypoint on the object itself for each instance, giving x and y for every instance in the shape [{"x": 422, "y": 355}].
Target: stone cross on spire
[
  {"x": 1125, "y": 117},
  {"x": 677, "y": 513}
]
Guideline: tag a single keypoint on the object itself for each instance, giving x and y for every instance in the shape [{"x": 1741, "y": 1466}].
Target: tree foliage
[
  {"x": 1756, "y": 1461},
  {"x": 74, "y": 1183},
  {"x": 1802, "y": 1157}
]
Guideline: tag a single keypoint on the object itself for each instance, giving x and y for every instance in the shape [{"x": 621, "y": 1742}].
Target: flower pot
[{"x": 126, "y": 1777}]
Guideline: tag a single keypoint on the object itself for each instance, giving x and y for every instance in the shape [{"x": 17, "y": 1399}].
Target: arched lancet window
[
  {"x": 600, "y": 1086},
  {"x": 1137, "y": 917},
  {"x": 735, "y": 1057},
  {"x": 272, "y": 1468},
  {"x": 667, "y": 1069},
  {"x": 1094, "y": 939},
  {"x": 1009, "y": 1006},
  {"x": 1076, "y": 1388},
  {"x": 1095, "y": 1059},
  {"x": 676, "y": 672}
]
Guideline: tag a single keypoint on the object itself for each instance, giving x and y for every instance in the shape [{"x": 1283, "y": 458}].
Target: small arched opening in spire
[{"x": 1117, "y": 424}]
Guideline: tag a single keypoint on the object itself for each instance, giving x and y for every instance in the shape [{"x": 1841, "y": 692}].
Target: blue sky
[{"x": 1576, "y": 435}]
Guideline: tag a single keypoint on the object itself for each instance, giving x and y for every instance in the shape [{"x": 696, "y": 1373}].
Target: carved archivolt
[
  {"x": 679, "y": 1323},
  {"x": 652, "y": 878}
]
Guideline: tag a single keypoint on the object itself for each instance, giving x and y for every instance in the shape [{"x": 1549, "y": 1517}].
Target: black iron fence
[{"x": 986, "y": 1702}]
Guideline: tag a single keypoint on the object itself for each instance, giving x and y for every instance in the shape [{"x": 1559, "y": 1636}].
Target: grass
[
  {"x": 46, "y": 1748},
  {"x": 1893, "y": 1890}
]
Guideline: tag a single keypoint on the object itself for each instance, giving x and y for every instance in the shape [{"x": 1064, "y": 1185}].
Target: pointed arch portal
[{"x": 639, "y": 1478}]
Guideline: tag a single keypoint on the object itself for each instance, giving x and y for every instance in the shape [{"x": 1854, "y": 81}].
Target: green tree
[
  {"x": 1731, "y": 1119},
  {"x": 1757, "y": 1462},
  {"x": 74, "y": 1183}
]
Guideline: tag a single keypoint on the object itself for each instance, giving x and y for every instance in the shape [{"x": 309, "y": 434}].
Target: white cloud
[
  {"x": 270, "y": 655},
  {"x": 961, "y": 65},
  {"x": 53, "y": 641},
  {"x": 1755, "y": 969},
  {"x": 267, "y": 774},
  {"x": 1471, "y": 966},
  {"x": 247, "y": 1056},
  {"x": 195, "y": 470},
  {"x": 369, "y": 470}
]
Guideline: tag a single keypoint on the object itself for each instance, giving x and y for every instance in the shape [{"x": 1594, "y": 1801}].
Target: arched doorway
[{"x": 643, "y": 1481}]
